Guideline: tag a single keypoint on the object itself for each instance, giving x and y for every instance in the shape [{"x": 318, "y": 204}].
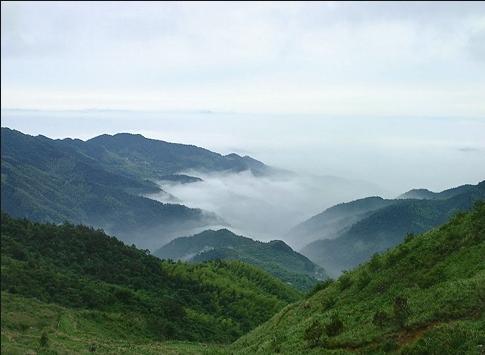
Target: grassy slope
[
  {"x": 84, "y": 270},
  {"x": 441, "y": 274},
  {"x": 71, "y": 331}
]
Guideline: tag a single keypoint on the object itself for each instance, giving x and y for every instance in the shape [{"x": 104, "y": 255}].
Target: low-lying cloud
[{"x": 264, "y": 207}]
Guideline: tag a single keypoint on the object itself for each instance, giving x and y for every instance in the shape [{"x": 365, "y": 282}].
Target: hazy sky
[
  {"x": 392, "y": 93},
  {"x": 406, "y": 59}
]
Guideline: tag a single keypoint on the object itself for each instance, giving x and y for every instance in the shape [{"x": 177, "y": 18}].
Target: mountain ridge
[
  {"x": 57, "y": 180},
  {"x": 335, "y": 219},
  {"x": 387, "y": 226},
  {"x": 275, "y": 257}
]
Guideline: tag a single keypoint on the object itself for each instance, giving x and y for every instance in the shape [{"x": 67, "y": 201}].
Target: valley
[
  {"x": 239, "y": 178},
  {"x": 172, "y": 284}
]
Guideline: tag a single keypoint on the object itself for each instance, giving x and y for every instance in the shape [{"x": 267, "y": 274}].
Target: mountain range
[
  {"x": 100, "y": 182},
  {"x": 334, "y": 220},
  {"x": 415, "y": 285},
  {"x": 350, "y": 233}
]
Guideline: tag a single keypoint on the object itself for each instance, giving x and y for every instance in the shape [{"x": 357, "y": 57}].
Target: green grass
[
  {"x": 69, "y": 331},
  {"x": 440, "y": 275}
]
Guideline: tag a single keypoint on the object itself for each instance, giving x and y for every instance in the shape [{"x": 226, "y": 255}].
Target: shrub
[
  {"x": 428, "y": 279},
  {"x": 455, "y": 338},
  {"x": 375, "y": 262},
  {"x": 401, "y": 252},
  {"x": 381, "y": 286},
  {"x": 392, "y": 258},
  {"x": 276, "y": 342},
  {"x": 314, "y": 333},
  {"x": 363, "y": 280},
  {"x": 44, "y": 340},
  {"x": 335, "y": 327},
  {"x": 381, "y": 318},
  {"x": 328, "y": 302},
  {"x": 345, "y": 281},
  {"x": 409, "y": 237},
  {"x": 390, "y": 345},
  {"x": 319, "y": 286},
  {"x": 401, "y": 310}
]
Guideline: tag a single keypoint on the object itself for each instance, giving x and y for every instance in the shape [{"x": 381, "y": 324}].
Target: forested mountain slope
[
  {"x": 127, "y": 293},
  {"x": 275, "y": 257},
  {"x": 154, "y": 158},
  {"x": 335, "y": 220},
  {"x": 99, "y": 182},
  {"x": 424, "y": 194},
  {"x": 425, "y": 296},
  {"x": 387, "y": 226}
]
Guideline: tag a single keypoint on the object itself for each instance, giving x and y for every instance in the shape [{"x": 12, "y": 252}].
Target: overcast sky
[
  {"x": 328, "y": 58},
  {"x": 393, "y": 93}
]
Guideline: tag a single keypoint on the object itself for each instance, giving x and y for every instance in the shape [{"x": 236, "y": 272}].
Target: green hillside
[
  {"x": 50, "y": 180},
  {"x": 418, "y": 194},
  {"x": 424, "y": 194},
  {"x": 122, "y": 293},
  {"x": 33, "y": 327},
  {"x": 179, "y": 179},
  {"x": 100, "y": 182},
  {"x": 275, "y": 257},
  {"x": 387, "y": 226},
  {"x": 425, "y": 296},
  {"x": 335, "y": 220},
  {"x": 154, "y": 158}
]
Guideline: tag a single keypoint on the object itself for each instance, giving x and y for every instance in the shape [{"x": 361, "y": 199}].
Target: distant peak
[
  {"x": 419, "y": 194},
  {"x": 279, "y": 244},
  {"x": 222, "y": 231},
  {"x": 233, "y": 156},
  {"x": 117, "y": 136},
  {"x": 128, "y": 135},
  {"x": 419, "y": 190}
]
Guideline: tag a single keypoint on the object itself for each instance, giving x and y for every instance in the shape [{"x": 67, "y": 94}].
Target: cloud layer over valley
[{"x": 264, "y": 207}]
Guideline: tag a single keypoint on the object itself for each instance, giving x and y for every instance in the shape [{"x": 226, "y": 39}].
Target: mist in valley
[
  {"x": 328, "y": 160},
  {"x": 263, "y": 207}
]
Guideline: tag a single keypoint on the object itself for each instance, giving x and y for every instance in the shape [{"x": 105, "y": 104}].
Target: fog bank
[{"x": 264, "y": 207}]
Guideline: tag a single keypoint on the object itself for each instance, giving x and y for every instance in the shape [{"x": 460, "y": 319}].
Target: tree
[
  {"x": 375, "y": 262},
  {"x": 401, "y": 310}
]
